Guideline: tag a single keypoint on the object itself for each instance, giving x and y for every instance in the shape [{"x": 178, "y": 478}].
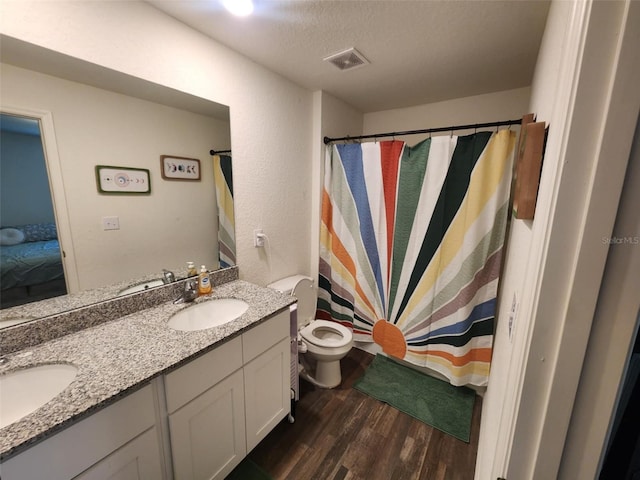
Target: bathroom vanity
[{"x": 152, "y": 402}]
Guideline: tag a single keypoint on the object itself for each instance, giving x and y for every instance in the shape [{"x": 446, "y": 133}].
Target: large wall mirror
[{"x": 61, "y": 118}]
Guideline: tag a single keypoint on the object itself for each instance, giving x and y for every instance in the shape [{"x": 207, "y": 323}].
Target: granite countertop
[
  {"x": 120, "y": 356},
  {"x": 70, "y": 301}
]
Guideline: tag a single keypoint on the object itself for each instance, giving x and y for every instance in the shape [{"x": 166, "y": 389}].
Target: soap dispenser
[
  {"x": 204, "y": 282},
  {"x": 191, "y": 269}
]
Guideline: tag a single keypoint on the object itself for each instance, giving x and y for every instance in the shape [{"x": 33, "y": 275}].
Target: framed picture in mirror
[
  {"x": 180, "y": 168},
  {"x": 122, "y": 180}
]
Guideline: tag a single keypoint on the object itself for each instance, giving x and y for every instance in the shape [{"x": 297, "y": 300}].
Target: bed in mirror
[{"x": 81, "y": 116}]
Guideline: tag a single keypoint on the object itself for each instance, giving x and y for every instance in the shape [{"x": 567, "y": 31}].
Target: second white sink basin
[
  {"x": 209, "y": 314},
  {"x": 24, "y": 391},
  {"x": 141, "y": 287}
]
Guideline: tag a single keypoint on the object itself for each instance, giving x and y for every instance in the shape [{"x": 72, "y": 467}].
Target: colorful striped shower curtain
[
  {"x": 223, "y": 177},
  {"x": 411, "y": 245}
]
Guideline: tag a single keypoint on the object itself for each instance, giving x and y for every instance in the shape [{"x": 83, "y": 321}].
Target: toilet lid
[
  {"x": 324, "y": 333},
  {"x": 307, "y": 298}
]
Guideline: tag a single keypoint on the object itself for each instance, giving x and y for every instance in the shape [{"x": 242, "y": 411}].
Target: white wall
[
  {"x": 271, "y": 118},
  {"x": 554, "y": 267},
  {"x": 24, "y": 187},
  {"x": 587, "y": 187},
  {"x": 614, "y": 324},
  {"x": 175, "y": 223},
  {"x": 493, "y": 443},
  {"x": 491, "y": 107}
]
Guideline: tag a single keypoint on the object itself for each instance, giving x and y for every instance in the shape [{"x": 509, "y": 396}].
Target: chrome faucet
[
  {"x": 190, "y": 292},
  {"x": 167, "y": 276}
]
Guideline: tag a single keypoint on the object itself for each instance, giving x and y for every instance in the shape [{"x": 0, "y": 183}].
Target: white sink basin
[
  {"x": 140, "y": 287},
  {"x": 212, "y": 313},
  {"x": 24, "y": 391}
]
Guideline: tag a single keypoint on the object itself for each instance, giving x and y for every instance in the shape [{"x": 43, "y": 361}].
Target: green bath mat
[
  {"x": 248, "y": 470},
  {"x": 432, "y": 401}
]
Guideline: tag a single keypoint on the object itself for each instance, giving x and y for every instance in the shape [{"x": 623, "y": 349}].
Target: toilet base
[
  {"x": 325, "y": 374},
  {"x": 314, "y": 381},
  {"x": 328, "y": 373}
]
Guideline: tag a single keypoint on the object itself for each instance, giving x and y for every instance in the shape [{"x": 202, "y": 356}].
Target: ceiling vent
[{"x": 347, "y": 59}]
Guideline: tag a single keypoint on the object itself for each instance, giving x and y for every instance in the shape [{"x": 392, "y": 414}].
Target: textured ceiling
[{"x": 421, "y": 51}]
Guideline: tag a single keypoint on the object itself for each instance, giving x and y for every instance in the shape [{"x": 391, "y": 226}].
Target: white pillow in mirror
[{"x": 11, "y": 236}]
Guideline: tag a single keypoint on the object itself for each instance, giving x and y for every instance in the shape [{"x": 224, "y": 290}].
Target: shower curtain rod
[
  {"x": 328, "y": 140},
  {"x": 216, "y": 152}
]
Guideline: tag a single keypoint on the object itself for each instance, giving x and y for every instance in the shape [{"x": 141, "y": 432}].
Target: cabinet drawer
[
  {"x": 259, "y": 339},
  {"x": 197, "y": 376}
]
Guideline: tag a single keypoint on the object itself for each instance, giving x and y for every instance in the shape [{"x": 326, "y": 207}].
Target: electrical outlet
[
  {"x": 258, "y": 238},
  {"x": 111, "y": 223}
]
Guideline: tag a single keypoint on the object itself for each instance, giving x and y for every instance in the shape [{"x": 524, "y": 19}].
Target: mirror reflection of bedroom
[{"x": 30, "y": 260}]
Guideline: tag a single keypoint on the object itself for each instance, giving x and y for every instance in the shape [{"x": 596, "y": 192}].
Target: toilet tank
[{"x": 302, "y": 288}]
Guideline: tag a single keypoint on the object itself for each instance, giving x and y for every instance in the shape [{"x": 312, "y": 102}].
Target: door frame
[
  {"x": 56, "y": 185},
  {"x": 550, "y": 362}
]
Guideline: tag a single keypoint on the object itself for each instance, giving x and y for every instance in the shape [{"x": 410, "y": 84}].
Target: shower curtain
[
  {"x": 223, "y": 177},
  {"x": 411, "y": 245}
]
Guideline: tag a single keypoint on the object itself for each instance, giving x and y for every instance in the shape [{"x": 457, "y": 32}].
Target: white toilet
[{"x": 325, "y": 342}]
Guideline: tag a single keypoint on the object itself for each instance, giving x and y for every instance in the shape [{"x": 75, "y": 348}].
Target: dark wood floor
[{"x": 343, "y": 434}]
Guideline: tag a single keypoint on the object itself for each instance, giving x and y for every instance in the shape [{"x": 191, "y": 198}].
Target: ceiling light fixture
[{"x": 240, "y": 8}]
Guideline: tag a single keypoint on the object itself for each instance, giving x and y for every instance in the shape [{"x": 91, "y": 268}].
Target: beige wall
[
  {"x": 271, "y": 118},
  {"x": 161, "y": 230},
  {"x": 491, "y": 107}
]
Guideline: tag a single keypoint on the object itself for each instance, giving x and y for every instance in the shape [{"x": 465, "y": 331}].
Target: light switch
[{"x": 111, "y": 223}]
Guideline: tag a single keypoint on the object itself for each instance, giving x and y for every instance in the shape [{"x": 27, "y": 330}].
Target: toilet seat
[{"x": 324, "y": 333}]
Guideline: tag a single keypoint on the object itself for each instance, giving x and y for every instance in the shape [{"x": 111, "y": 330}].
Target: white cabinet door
[
  {"x": 137, "y": 460},
  {"x": 208, "y": 433},
  {"x": 267, "y": 391}
]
